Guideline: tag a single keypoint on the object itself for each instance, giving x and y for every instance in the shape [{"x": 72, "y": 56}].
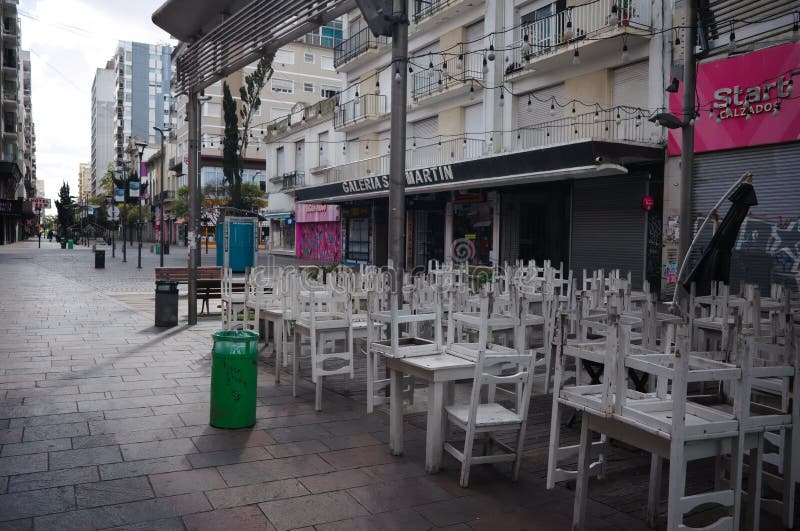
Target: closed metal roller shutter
[
  {"x": 631, "y": 92},
  {"x": 324, "y": 149},
  {"x": 539, "y": 110},
  {"x": 425, "y": 132},
  {"x": 384, "y": 139},
  {"x": 474, "y": 38},
  {"x": 768, "y": 247},
  {"x": 608, "y": 226},
  {"x": 300, "y": 156}
]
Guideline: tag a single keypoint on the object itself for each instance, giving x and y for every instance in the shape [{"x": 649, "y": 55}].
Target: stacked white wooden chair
[
  {"x": 233, "y": 294},
  {"x": 325, "y": 318},
  {"x": 492, "y": 364}
]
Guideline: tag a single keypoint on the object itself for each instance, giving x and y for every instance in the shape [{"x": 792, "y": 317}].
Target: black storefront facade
[{"x": 578, "y": 203}]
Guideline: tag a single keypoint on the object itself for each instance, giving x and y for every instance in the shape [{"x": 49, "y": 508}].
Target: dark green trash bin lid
[{"x": 234, "y": 371}]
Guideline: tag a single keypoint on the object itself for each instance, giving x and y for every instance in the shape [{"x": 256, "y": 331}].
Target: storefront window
[
  {"x": 357, "y": 239},
  {"x": 473, "y": 222},
  {"x": 281, "y": 235}
]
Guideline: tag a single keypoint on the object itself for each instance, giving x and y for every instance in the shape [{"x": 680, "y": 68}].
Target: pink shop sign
[
  {"x": 757, "y": 84},
  {"x": 311, "y": 213}
]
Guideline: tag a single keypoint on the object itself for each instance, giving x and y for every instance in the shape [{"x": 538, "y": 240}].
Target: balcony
[
  {"x": 323, "y": 41},
  {"x": 355, "y": 46},
  {"x": 585, "y": 27},
  {"x": 625, "y": 124},
  {"x": 365, "y": 108},
  {"x": 427, "y": 13},
  {"x": 292, "y": 180},
  {"x": 447, "y": 152},
  {"x": 310, "y": 115},
  {"x": 10, "y": 32},
  {"x": 446, "y": 76},
  {"x": 168, "y": 195}
]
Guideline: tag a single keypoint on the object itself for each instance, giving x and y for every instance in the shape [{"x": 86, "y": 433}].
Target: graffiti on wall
[
  {"x": 774, "y": 245},
  {"x": 321, "y": 242}
]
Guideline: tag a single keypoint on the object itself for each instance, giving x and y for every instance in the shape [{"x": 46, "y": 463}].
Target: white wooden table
[{"x": 440, "y": 371}]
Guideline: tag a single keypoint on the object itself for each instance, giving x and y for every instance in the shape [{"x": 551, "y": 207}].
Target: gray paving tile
[
  {"x": 126, "y": 403},
  {"x": 228, "y": 457},
  {"x": 248, "y": 517},
  {"x": 163, "y": 448},
  {"x": 256, "y": 493},
  {"x": 184, "y": 482},
  {"x": 26, "y": 504},
  {"x": 382, "y": 497},
  {"x": 55, "y": 431},
  {"x": 22, "y": 464},
  {"x": 403, "y": 520},
  {"x": 123, "y": 438},
  {"x": 127, "y": 513},
  {"x": 311, "y": 510},
  {"x": 83, "y": 457},
  {"x": 47, "y": 420},
  {"x": 135, "y": 424},
  {"x": 144, "y": 467},
  {"x": 168, "y": 524},
  {"x": 25, "y": 524},
  {"x": 343, "y": 479},
  {"x": 13, "y": 435},
  {"x": 112, "y": 492},
  {"x": 128, "y": 413},
  {"x": 35, "y": 447},
  {"x": 296, "y": 448},
  {"x": 229, "y": 441},
  {"x": 55, "y": 478},
  {"x": 264, "y": 471},
  {"x": 10, "y": 412}
]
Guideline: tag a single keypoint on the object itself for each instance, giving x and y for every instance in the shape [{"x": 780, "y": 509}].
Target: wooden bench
[{"x": 209, "y": 281}]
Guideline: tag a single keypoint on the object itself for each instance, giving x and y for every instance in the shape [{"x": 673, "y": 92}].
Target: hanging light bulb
[
  {"x": 502, "y": 97},
  {"x": 553, "y": 107},
  {"x": 576, "y": 57},
  {"x": 613, "y": 18},
  {"x": 485, "y": 66},
  {"x": 430, "y": 62},
  {"x": 471, "y": 91},
  {"x": 576, "y": 130},
  {"x": 719, "y": 119},
  {"x": 413, "y": 142},
  {"x": 366, "y": 147},
  {"x": 529, "y": 100},
  {"x": 596, "y": 115},
  {"x": 444, "y": 66},
  {"x": 344, "y": 147},
  {"x": 397, "y": 77},
  {"x": 356, "y": 93},
  {"x": 789, "y": 86},
  {"x": 410, "y": 69},
  {"x": 430, "y": 72},
  {"x": 619, "y": 119},
  {"x": 638, "y": 121},
  {"x": 795, "y": 30},
  {"x": 626, "y": 55},
  {"x": 573, "y": 107},
  {"x": 460, "y": 62},
  {"x": 777, "y": 108},
  {"x": 491, "y": 51},
  {"x": 732, "y": 41},
  {"x": 568, "y": 33},
  {"x": 548, "y": 131},
  {"x": 526, "y": 45},
  {"x": 677, "y": 38},
  {"x": 711, "y": 114},
  {"x": 748, "y": 117}
]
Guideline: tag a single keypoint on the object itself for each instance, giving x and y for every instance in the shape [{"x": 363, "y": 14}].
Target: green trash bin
[
  {"x": 234, "y": 368},
  {"x": 70, "y": 243}
]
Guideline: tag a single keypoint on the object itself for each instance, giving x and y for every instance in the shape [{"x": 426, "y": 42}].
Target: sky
[{"x": 69, "y": 40}]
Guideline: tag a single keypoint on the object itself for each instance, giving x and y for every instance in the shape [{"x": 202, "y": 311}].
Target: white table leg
[
  {"x": 295, "y": 362},
  {"x": 435, "y": 427},
  {"x": 396, "y": 412},
  {"x": 277, "y": 338}
]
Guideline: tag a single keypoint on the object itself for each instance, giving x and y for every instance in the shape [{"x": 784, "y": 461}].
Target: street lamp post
[
  {"x": 161, "y": 130},
  {"x": 39, "y": 224},
  {"x": 124, "y": 213},
  {"x": 140, "y": 149}
]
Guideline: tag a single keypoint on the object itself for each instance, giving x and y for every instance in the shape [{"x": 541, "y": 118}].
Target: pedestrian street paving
[{"x": 104, "y": 424}]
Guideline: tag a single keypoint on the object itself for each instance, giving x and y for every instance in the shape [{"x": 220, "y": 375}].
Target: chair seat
[
  {"x": 234, "y": 298},
  {"x": 487, "y": 415}
]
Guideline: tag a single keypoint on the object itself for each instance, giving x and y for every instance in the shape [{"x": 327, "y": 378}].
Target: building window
[
  {"x": 328, "y": 92},
  {"x": 284, "y": 57},
  {"x": 212, "y": 110},
  {"x": 357, "y": 235},
  {"x": 257, "y": 111},
  {"x": 308, "y": 57},
  {"x": 326, "y": 63},
  {"x": 277, "y": 114},
  {"x": 282, "y": 86},
  {"x": 308, "y": 87}
]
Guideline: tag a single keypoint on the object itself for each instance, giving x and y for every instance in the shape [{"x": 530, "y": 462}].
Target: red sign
[
  {"x": 743, "y": 92},
  {"x": 648, "y": 203}
]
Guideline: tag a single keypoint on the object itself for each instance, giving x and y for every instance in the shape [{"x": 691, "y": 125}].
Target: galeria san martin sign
[{"x": 379, "y": 183}]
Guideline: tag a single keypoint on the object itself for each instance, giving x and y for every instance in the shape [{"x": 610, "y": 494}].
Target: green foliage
[
  {"x": 64, "y": 207},
  {"x": 236, "y": 141},
  {"x": 180, "y": 207},
  {"x": 252, "y": 197}
]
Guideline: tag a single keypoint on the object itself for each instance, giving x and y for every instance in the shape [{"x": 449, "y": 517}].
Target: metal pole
[
  {"x": 39, "y": 225},
  {"x": 125, "y": 227},
  {"x": 397, "y": 156},
  {"x": 687, "y": 139},
  {"x": 161, "y": 204},
  {"x": 194, "y": 203}
]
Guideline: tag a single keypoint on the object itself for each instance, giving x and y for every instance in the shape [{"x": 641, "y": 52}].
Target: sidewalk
[{"x": 104, "y": 424}]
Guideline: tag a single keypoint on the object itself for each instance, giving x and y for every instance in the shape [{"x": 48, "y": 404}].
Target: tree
[
  {"x": 235, "y": 142},
  {"x": 252, "y": 197},
  {"x": 180, "y": 207},
  {"x": 65, "y": 209}
]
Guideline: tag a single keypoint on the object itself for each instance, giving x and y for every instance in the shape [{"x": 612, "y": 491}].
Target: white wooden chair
[
  {"x": 232, "y": 299},
  {"x": 488, "y": 419}
]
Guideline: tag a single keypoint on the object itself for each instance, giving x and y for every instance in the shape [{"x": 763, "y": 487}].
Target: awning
[
  {"x": 577, "y": 160},
  {"x": 277, "y": 215}
]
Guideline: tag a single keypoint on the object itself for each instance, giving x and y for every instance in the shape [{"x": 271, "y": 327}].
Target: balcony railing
[
  {"x": 168, "y": 195},
  {"x": 292, "y": 180},
  {"x": 436, "y": 154},
  {"x": 309, "y": 115},
  {"x": 619, "y": 123},
  {"x": 355, "y": 45},
  {"x": 361, "y": 108},
  {"x": 446, "y": 75},
  {"x": 546, "y": 36},
  {"x": 325, "y": 41},
  {"x": 427, "y": 8}
]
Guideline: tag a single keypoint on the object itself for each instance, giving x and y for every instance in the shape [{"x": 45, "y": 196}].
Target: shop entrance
[
  {"x": 472, "y": 222},
  {"x": 428, "y": 237},
  {"x": 536, "y": 223}
]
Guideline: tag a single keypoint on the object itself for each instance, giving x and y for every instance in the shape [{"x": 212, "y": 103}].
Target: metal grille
[
  {"x": 750, "y": 20},
  {"x": 258, "y": 29}
]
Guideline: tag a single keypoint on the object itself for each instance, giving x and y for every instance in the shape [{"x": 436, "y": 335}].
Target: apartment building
[
  {"x": 40, "y": 191},
  {"x": 304, "y": 74},
  {"x": 142, "y": 80},
  {"x": 85, "y": 189},
  {"x": 104, "y": 124},
  {"x": 18, "y": 159},
  {"x": 527, "y": 136}
]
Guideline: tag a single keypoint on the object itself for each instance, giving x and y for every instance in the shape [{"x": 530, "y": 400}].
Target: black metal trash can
[
  {"x": 166, "y": 303},
  {"x": 99, "y": 259},
  {"x": 166, "y": 248},
  {"x": 63, "y": 243}
]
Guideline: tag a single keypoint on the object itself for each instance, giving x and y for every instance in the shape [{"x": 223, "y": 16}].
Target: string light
[
  {"x": 460, "y": 62},
  {"x": 568, "y": 33},
  {"x": 553, "y": 107},
  {"x": 526, "y": 45},
  {"x": 732, "y": 41},
  {"x": 491, "y": 50},
  {"x": 485, "y": 66},
  {"x": 613, "y": 18},
  {"x": 529, "y": 100},
  {"x": 397, "y": 77},
  {"x": 576, "y": 58},
  {"x": 626, "y": 56},
  {"x": 502, "y": 96}
]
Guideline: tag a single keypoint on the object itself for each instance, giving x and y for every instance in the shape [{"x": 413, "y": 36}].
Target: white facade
[{"x": 104, "y": 104}]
